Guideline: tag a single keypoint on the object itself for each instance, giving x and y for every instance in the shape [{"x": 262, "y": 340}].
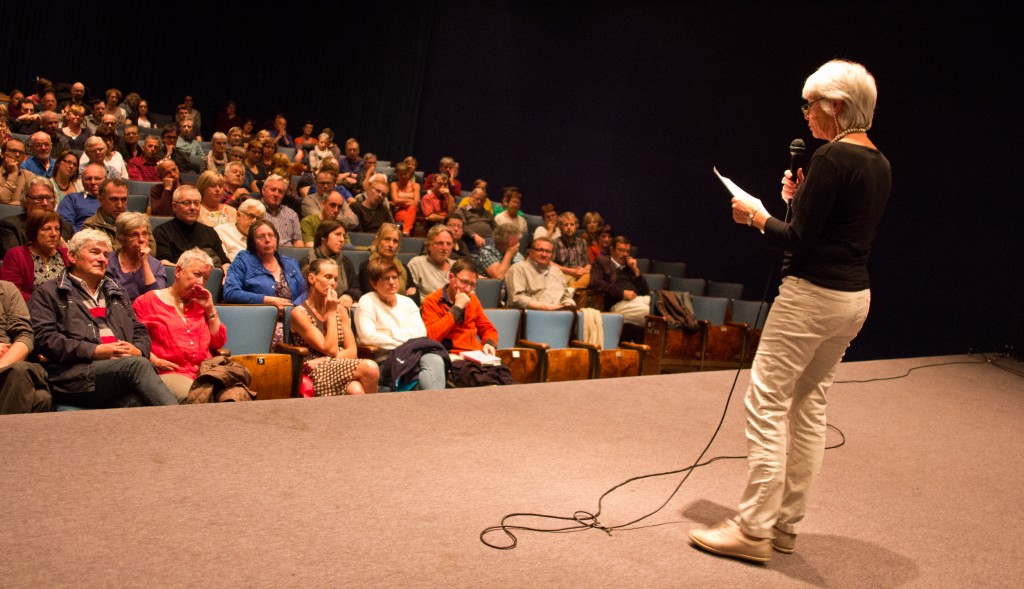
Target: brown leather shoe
[{"x": 784, "y": 541}]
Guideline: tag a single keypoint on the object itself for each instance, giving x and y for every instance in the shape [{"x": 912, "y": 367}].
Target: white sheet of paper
[{"x": 730, "y": 185}]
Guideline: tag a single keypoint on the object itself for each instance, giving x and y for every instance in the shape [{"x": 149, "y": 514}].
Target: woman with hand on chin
[
  {"x": 321, "y": 324},
  {"x": 182, "y": 322},
  {"x": 132, "y": 266},
  {"x": 822, "y": 304}
]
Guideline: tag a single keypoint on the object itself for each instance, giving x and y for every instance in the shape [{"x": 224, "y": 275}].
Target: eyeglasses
[
  {"x": 465, "y": 283},
  {"x": 390, "y": 278},
  {"x": 250, "y": 215},
  {"x": 544, "y": 251},
  {"x": 806, "y": 107},
  {"x": 43, "y": 198},
  {"x": 188, "y": 203}
]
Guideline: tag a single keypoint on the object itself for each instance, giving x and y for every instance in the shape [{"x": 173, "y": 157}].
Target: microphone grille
[{"x": 797, "y": 146}]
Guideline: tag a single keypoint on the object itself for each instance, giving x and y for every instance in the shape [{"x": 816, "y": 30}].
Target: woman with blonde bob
[{"x": 822, "y": 304}]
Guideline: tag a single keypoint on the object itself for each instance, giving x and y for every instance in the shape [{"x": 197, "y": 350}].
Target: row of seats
[
  {"x": 727, "y": 337},
  {"x": 536, "y": 346}
]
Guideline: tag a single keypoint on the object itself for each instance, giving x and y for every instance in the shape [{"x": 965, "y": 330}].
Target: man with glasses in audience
[
  {"x": 170, "y": 150},
  {"x": 332, "y": 207},
  {"x": 625, "y": 289},
  {"x": 41, "y": 163},
  {"x": 13, "y": 178},
  {"x": 184, "y": 232},
  {"x": 76, "y": 207},
  {"x": 535, "y": 283},
  {"x": 40, "y": 195},
  {"x": 313, "y": 200}
]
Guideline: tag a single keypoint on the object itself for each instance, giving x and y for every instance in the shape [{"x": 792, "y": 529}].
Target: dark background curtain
[{"x": 622, "y": 109}]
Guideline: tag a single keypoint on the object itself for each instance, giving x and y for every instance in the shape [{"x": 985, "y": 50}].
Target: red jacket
[{"x": 471, "y": 334}]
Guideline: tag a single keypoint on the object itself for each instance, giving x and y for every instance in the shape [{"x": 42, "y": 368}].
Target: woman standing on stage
[{"x": 822, "y": 304}]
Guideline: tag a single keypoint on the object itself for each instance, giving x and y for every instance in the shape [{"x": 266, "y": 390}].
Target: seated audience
[
  {"x": 387, "y": 320},
  {"x": 131, "y": 148},
  {"x": 318, "y": 154},
  {"x": 142, "y": 116},
  {"x": 385, "y": 246},
  {"x": 187, "y": 143},
  {"x": 328, "y": 242},
  {"x": 183, "y": 231},
  {"x": 161, "y": 196},
  {"x": 218, "y": 156},
  {"x": 373, "y": 211},
  {"x": 284, "y": 218},
  {"x": 96, "y": 350},
  {"x": 113, "y": 106},
  {"x": 235, "y": 139},
  {"x": 454, "y": 316},
  {"x": 113, "y": 202},
  {"x": 13, "y": 178},
  {"x": 23, "y": 386},
  {"x": 405, "y": 199},
  {"x": 535, "y": 283},
  {"x": 76, "y": 207},
  {"x": 438, "y": 203},
  {"x": 460, "y": 249},
  {"x": 41, "y": 197},
  {"x": 446, "y": 166},
  {"x": 603, "y": 246},
  {"x": 255, "y": 170},
  {"x": 331, "y": 207},
  {"x": 229, "y": 118},
  {"x": 235, "y": 190},
  {"x": 351, "y": 165},
  {"x": 477, "y": 222},
  {"x": 233, "y": 235},
  {"x": 40, "y": 163},
  {"x": 183, "y": 323},
  {"x": 41, "y": 259},
  {"x": 592, "y": 224},
  {"x": 260, "y": 275},
  {"x": 170, "y": 149},
  {"x": 212, "y": 212},
  {"x": 187, "y": 107},
  {"x": 624, "y": 288},
  {"x": 279, "y": 134},
  {"x": 306, "y": 141},
  {"x": 65, "y": 178},
  {"x": 430, "y": 271},
  {"x": 322, "y": 325},
  {"x": 571, "y": 253},
  {"x": 131, "y": 265},
  {"x": 549, "y": 217},
  {"x": 495, "y": 260},
  {"x": 143, "y": 167},
  {"x": 74, "y": 130},
  {"x": 96, "y": 153},
  {"x": 512, "y": 202},
  {"x": 49, "y": 123}
]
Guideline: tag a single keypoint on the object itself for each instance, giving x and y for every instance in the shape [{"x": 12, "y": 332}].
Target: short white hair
[
  {"x": 85, "y": 237},
  {"x": 850, "y": 83}
]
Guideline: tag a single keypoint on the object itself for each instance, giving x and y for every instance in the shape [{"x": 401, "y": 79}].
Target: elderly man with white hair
[
  {"x": 96, "y": 350},
  {"x": 96, "y": 153}
]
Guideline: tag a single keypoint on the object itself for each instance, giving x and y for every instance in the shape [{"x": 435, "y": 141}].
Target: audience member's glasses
[
  {"x": 389, "y": 278},
  {"x": 543, "y": 251},
  {"x": 43, "y": 198},
  {"x": 138, "y": 235},
  {"x": 465, "y": 283},
  {"x": 189, "y": 203},
  {"x": 248, "y": 214},
  {"x": 806, "y": 107}
]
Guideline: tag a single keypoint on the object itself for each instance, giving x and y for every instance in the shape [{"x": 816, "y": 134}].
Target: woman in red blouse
[{"x": 182, "y": 323}]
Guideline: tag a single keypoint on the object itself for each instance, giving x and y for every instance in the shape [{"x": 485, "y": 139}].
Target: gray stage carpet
[{"x": 394, "y": 490}]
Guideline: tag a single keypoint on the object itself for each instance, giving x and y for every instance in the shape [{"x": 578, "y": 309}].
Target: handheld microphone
[{"x": 796, "y": 151}]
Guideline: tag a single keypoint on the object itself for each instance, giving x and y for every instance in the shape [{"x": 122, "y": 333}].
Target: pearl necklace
[{"x": 847, "y": 132}]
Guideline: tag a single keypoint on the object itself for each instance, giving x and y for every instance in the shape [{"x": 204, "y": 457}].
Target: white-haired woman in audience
[
  {"x": 233, "y": 236},
  {"x": 385, "y": 246},
  {"x": 133, "y": 266},
  {"x": 74, "y": 129},
  {"x": 182, "y": 322},
  {"x": 212, "y": 212},
  {"x": 218, "y": 156},
  {"x": 64, "y": 175},
  {"x": 96, "y": 152},
  {"x": 41, "y": 258},
  {"x": 322, "y": 324}
]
